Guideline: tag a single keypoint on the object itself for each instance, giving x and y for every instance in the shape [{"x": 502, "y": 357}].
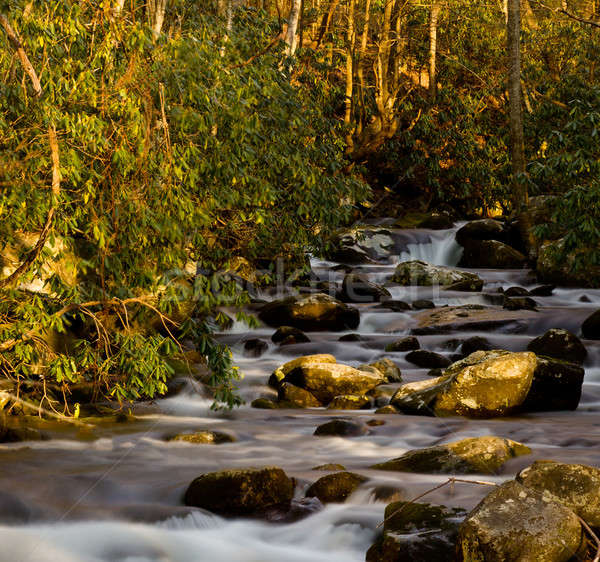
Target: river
[{"x": 118, "y": 497}]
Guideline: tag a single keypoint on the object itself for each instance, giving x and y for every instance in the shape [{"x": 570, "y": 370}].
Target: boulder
[
  {"x": 281, "y": 371},
  {"x": 517, "y": 292},
  {"x": 519, "y": 303},
  {"x": 349, "y": 402},
  {"x": 287, "y": 333},
  {"x": 543, "y": 291},
  {"x": 428, "y": 359},
  {"x": 264, "y": 404},
  {"x": 408, "y": 343},
  {"x": 557, "y": 265},
  {"x": 332, "y": 467},
  {"x": 387, "y": 368},
  {"x": 560, "y": 344},
  {"x": 575, "y": 486},
  {"x": 591, "y": 326},
  {"x": 495, "y": 383},
  {"x": 255, "y": 347},
  {"x": 248, "y": 491},
  {"x": 516, "y": 523},
  {"x": 395, "y": 305},
  {"x": 350, "y": 337},
  {"x": 336, "y": 487},
  {"x": 363, "y": 244},
  {"x": 475, "y": 343},
  {"x": 437, "y": 221},
  {"x": 388, "y": 409},
  {"x": 423, "y": 304},
  {"x": 476, "y": 455},
  {"x": 291, "y": 396},
  {"x": 204, "y": 437},
  {"x": 328, "y": 380},
  {"x": 316, "y": 312},
  {"x": 357, "y": 288},
  {"x": 417, "y": 531},
  {"x": 491, "y": 254},
  {"x": 469, "y": 285},
  {"x": 341, "y": 428},
  {"x": 483, "y": 229},
  {"x": 421, "y": 273}
]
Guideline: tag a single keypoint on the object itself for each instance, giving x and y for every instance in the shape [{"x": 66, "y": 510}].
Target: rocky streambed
[{"x": 373, "y": 386}]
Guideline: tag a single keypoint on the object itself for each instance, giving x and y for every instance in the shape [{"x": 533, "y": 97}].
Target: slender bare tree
[
  {"x": 436, "y": 6},
  {"x": 290, "y": 37},
  {"x": 156, "y": 13}
]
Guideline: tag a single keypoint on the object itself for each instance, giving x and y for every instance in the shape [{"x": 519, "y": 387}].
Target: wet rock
[
  {"x": 264, "y": 404},
  {"x": 311, "y": 313},
  {"x": 423, "y": 304},
  {"x": 255, "y": 347},
  {"x": 420, "y": 273},
  {"x": 560, "y": 344},
  {"x": 385, "y": 493},
  {"x": 584, "y": 298},
  {"x": 375, "y": 422},
  {"x": 408, "y": 343},
  {"x": 351, "y": 337},
  {"x": 437, "y": 221},
  {"x": 556, "y": 265},
  {"x": 363, "y": 245},
  {"x": 470, "y": 285},
  {"x": 358, "y": 288},
  {"x": 477, "y": 455},
  {"x": 21, "y": 433},
  {"x": 387, "y": 368},
  {"x": 248, "y": 491},
  {"x": 388, "y": 409},
  {"x": 542, "y": 291},
  {"x": 291, "y": 396},
  {"x": 299, "y": 509},
  {"x": 517, "y": 292},
  {"x": 330, "y": 466},
  {"x": 335, "y": 488},
  {"x": 575, "y": 486},
  {"x": 491, "y": 254},
  {"x": 484, "y": 229},
  {"x": 287, "y": 333},
  {"x": 428, "y": 359},
  {"x": 328, "y": 380},
  {"x": 349, "y": 402},
  {"x": 279, "y": 374},
  {"x": 475, "y": 343},
  {"x": 495, "y": 383},
  {"x": 591, "y": 327},
  {"x": 341, "y": 428},
  {"x": 519, "y": 303},
  {"x": 415, "y": 532},
  {"x": 395, "y": 305},
  {"x": 515, "y": 523},
  {"x": 204, "y": 437}
]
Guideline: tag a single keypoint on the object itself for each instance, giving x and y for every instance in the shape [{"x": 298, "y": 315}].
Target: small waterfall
[{"x": 438, "y": 248}]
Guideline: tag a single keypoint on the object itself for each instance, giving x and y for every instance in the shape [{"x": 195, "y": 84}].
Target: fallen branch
[
  {"x": 570, "y": 15},
  {"x": 15, "y": 41}
]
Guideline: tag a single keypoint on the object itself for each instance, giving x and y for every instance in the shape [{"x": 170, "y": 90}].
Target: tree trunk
[
  {"x": 361, "y": 65},
  {"x": 290, "y": 37},
  {"x": 156, "y": 11},
  {"x": 433, "y": 26},
  {"x": 349, "y": 68}
]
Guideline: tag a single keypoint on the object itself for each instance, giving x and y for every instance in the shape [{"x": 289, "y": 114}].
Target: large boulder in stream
[
  {"x": 560, "y": 344},
  {"x": 575, "y": 486},
  {"x": 250, "y": 491},
  {"x": 515, "y": 523},
  {"x": 358, "y": 288},
  {"x": 475, "y": 455},
  {"x": 363, "y": 244},
  {"x": 316, "y": 312},
  {"x": 591, "y": 326},
  {"x": 417, "y": 532},
  {"x": 420, "y": 273},
  {"x": 491, "y": 254},
  {"x": 495, "y": 383},
  {"x": 483, "y": 229}
]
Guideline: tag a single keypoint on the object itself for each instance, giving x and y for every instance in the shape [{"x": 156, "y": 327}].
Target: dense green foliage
[{"x": 175, "y": 156}]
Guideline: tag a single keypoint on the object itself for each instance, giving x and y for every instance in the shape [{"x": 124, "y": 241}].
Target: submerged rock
[
  {"x": 516, "y": 523},
  {"x": 495, "y": 383},
  {"x": 428, "y": 359},
  {"x": 311, "y": 313},
  {"x": 483, "y": 229},
  {"x": 255, "y": 347},
  {"x": 417, "y": 532},
  {"x": 248, "y": 491},
  {"x": 421, "y": 273},
  {"x": 204, "y": 437},
  {"x": 287, "y": 334},
  {"x": 341, "y": 428},
  {"x": 335, "y": 488},
  {"x": 591, "y": 326},
  {"x": 476, "y": 455},
  {"x": 491, "y": 254},
  {"x": 575, "y": 486},
  {"x": 408, "y": 343},
  {"x": 560, "y": 344},
  {"x": 264, "y": 404},
  {"x": 330, "y": 466}
]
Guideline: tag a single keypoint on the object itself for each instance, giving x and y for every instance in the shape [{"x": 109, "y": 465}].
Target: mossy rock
[
  {"x": 330, "y": 467},
  {"x": 387, "y": 368},
  {"x": 476, "y": 455},
  {"x": 264, "y": 404},
  {"x": 341, "y": 428},
  {"x": 204, "y": 437},
  {"x": 575, "y": 486},
  {"x": 349, "y": 402},
  {"x": 336, "y": 487},
  {"x": 241, "y": 491},
  {"x": 291, "y": 396},
  {"x": 516, "y": 523}
]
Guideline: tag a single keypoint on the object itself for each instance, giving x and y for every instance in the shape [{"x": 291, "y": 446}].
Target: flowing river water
[{"x": 118, "y": 496}]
